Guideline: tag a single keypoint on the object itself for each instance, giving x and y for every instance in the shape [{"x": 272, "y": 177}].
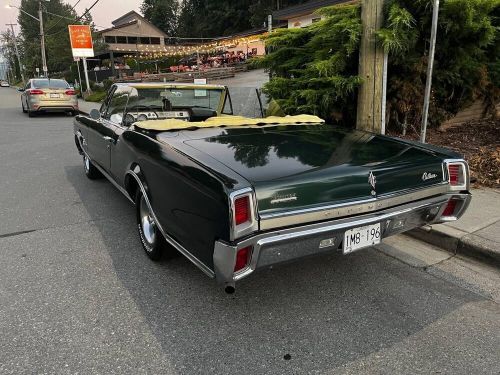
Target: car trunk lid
[{"x": 312, "y": 166}]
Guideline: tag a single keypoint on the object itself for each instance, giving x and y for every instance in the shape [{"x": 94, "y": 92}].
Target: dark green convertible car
[{"x": 236, "y": 194}]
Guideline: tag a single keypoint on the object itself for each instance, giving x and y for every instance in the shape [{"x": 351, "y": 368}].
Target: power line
[
  {"x": 57, "y": 23},
  {"x": 78, "y": 19}
]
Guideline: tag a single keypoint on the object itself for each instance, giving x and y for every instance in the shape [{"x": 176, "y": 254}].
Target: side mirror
[
  {"x": 20, "y": 89},
  {"x": 95, "y": 114}
]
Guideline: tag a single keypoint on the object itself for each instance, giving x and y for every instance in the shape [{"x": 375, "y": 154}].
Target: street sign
[{"x": 81, "y": 40}]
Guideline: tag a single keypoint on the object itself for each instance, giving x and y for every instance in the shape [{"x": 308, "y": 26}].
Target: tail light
[
  {"x": 450, "y": 208},
  {"x": 242, "y": 210},
  {"x": 35, "y": 92},
  {"x": 242, "y": 258},
  {"x": 457, "y": 175},
  {"x": 70, "y": 92},
  {"x": 243, "y": 215}
]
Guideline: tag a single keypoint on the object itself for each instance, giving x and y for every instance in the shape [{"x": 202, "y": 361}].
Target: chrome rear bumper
[{"x": 289, "y": 244}]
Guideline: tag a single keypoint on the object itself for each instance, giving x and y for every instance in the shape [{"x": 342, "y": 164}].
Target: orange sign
[{"x": 80, "y": 37}]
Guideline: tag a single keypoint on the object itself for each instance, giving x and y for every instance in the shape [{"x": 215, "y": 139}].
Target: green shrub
[
  {"x": 96, "y": 97},
  {"x": 314, "y": 69}
]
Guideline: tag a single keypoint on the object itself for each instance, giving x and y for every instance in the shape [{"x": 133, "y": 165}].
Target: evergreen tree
[
  {"x": 162, "y": 14},
  {"x": 467, "y": 60},
  {"x": 314, "y": 69},
  {"x": 57, "y": 43}
]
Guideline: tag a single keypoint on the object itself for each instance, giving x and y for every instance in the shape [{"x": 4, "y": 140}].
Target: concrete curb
[{"x": 458, "y": 242}]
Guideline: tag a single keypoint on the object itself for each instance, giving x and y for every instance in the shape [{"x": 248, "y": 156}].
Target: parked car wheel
[
  {"x": 152, "y": 240},
  {"x": 22, "y": 105},
  {"x": 31, "y": 113},
  {"x": 90, "y": 170}
]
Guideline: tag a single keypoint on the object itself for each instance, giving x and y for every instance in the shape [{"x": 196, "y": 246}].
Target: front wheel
[
  {"x": 90, "y": 170},
  {"x": 152, "y": 240}
]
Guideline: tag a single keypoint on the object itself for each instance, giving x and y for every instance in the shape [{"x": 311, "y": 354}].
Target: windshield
[
  {"x": 174, "y": 98},
  {"x": 50, "y": 84}
]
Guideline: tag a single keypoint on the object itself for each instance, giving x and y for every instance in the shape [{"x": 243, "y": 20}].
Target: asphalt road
[{"x": 77, "y": 294}]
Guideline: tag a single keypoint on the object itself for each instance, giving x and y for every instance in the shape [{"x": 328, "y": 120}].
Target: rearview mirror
[
  {"x": 95, "y": 114},
  {"x": 21, "y": 89}
]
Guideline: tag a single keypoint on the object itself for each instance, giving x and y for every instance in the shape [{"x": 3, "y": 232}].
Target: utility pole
[
  {"x": 430, "y": 66},
  {"x": 42, "y": 39},
  {"x": 371, "y": 69},
  {"x": 17, "y": 50}
]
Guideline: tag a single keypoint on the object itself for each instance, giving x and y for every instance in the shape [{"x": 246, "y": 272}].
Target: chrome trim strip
[
  {"x": 198, "y": 263},
  {"x": 289, "y": 218}
]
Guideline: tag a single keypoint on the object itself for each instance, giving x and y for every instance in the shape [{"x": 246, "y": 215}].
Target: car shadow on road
[{"x": 314, "y": 315}]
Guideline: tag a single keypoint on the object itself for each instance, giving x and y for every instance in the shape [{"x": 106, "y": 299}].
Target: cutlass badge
[{"x": 428, "y": 176}]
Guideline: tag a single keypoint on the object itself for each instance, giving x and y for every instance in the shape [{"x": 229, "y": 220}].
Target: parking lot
[{"x": 78, "y": 295}]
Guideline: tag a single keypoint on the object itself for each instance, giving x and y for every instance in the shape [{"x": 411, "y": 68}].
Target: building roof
[
  {"x": 305, "y": 8},
  {"x": 117, "y": 27},
  {"x": 125, "y": 21},
  {"x": 120, "y": 20}
]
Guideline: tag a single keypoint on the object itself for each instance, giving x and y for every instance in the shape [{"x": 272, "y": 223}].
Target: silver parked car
[
  {"x": 4, "y": 84},
  {"x": 48, "y": 95}
]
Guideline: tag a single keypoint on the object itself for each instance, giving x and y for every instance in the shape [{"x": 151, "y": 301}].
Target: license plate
[
  {"x": 358, "y": 238},
  {"x": 55, "y": 95}
]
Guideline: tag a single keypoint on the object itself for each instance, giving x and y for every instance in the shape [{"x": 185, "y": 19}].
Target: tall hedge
[{"x": 314, "y": 69}]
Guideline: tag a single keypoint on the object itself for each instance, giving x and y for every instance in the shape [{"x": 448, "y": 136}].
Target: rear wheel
[
  {"x": 152, "y": 240},
  {"x": 31, "y": 113},
  {"x": 90, "y": 170},
  {"x": 22, "y": 105}
]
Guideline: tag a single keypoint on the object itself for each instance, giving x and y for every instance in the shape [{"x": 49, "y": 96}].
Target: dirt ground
[{"x": 478, "y": 141}]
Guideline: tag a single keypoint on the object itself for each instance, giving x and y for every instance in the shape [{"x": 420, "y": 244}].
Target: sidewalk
[
  {"x": 476, "y": 234},
  {"x": 86, "y": 107}
]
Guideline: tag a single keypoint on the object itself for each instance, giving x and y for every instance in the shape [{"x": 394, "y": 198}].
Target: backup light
[
  {"x": 242, "y": 258},
  {"x": 242, "y": 210}
]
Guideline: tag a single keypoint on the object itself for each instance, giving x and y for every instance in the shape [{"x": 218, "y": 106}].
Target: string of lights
[{"x": 159, "y": 51}]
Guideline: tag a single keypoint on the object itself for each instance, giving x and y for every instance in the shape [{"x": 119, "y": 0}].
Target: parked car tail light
[
  {"x": 458, "y": 176},
  {"x": 35, "y": 92},
  {"x": 70, "y": 92},
  {"x": 242, "y": 210},
  {"x": 242, "y": 258},
  {"x": 450, "y": 208},
  {"x": 243, "y": 213}
]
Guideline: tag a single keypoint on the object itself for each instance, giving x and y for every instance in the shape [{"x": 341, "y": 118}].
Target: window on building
[
  {"x": 121, "y": 39},
  {"x": 144, "y": 40},
  {"x": 109, "y": 39},
  {"x": 132, "y": 39},
  {"x": 155, "y": 40}
]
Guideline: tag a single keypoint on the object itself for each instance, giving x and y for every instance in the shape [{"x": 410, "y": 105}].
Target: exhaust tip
[{"x": 229, "y": 289}]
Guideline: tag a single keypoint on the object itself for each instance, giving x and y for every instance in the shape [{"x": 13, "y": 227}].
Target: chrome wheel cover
[{"x": 147, "y": 222}]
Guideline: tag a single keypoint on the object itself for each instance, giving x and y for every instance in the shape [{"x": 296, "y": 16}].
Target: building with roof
[
  {"x": 302, "y": 15},
  {"x": 133, "y": 33}
]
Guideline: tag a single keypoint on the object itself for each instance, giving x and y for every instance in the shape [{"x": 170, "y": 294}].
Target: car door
[{"x": 101, "y": 132}]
